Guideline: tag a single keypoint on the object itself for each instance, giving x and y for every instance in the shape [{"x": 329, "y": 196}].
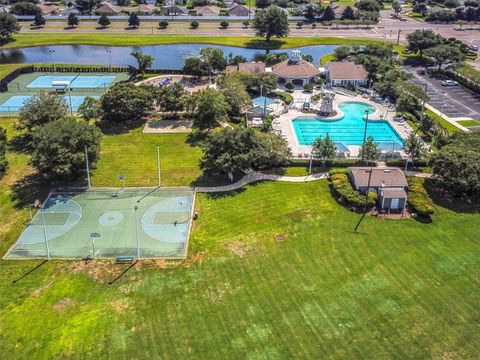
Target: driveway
[{"x": 456, "y": 101}]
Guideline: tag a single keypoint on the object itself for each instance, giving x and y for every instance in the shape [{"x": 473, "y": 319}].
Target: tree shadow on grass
[
  {"x": 30, "y": 188},
  {"x": 4, "y": 41},
  {"x": 20, "y": 143},
  {"x": 109, "y": 128},
  {"x": 264, "y": 45},
  {"x": 196, "y": 138},
  {"x": 469, "y": 205}
]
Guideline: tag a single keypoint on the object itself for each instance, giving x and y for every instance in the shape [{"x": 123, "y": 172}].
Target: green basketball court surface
[{"x": 108, "y": 223}]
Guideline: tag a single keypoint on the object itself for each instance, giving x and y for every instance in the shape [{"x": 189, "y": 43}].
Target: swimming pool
[{"x": 349, "y": 129}]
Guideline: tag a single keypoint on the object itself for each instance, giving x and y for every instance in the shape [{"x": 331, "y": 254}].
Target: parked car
[
  {"x": 449, "y": 83},
  {"x": 421, "y": 72},
  {"x": 473, "y": 47}
]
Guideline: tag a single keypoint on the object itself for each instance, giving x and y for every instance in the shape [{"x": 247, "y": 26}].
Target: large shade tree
[
  {"x": 456, "y": 166},
  {"x": 209, "y": 109},
  {"x": 445, "y": 54},
  {"x": 422, "y": 39},
  {"x": 272, "y": 22},
  {"x": 8, "y": 26},
  {"x": 125, "y": 102},
  {"x": 41, "y": 109},
  {"x": 234, "y": 151},
  {"x": 59, "y": 151}
]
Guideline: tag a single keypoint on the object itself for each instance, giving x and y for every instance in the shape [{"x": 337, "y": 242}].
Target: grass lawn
[
  {"x": 22, "y": 40},
  {"x": 135, "y": 155},
  {"x": 468, "y": 123},
  {"x": 398, "y": 289},
  {"x": 444, "y": 123}
]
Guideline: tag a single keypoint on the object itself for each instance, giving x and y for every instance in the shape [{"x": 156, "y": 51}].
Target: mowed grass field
[{"x": 398, "y": 289}]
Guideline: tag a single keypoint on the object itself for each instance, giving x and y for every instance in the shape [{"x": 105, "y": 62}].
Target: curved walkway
[{"x": 254, "y": 176}]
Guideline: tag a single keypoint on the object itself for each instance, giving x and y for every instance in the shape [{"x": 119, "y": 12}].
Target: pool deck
[{"x": 284, "y": 124}]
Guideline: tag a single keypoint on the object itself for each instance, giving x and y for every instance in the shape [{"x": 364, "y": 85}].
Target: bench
[{"x": 124, "y": 259}]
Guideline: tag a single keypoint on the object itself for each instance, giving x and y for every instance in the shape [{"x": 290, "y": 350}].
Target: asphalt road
[{"x": 456, "y": 101}]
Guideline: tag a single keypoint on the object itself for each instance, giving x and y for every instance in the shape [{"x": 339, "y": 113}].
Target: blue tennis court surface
[
  {"x": 76, "y": 81},
  {"x": 17, "y": 101}
]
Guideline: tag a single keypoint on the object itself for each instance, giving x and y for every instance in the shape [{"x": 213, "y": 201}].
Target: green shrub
[
  {"x": 224, "y": 24},
  {"x": 163, "y": 24},
  {"x": 289, "y": 86},
  {"x": 345, "y": 194},
  {"x": 418, "y": 197},
  {"x": 194, "y": 24},
  {"x": 308, "y": 87},
  {"x": 284, "y": 96}
]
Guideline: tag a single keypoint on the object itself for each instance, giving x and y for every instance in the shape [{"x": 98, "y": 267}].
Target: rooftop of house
[
  {"x": 346, "y": 70},
  {"x": 207, "y": 10},
  {"x": 48, "y": 9},
  {"x": 387, "y": 177},
  {"x": 295, "y": 67},
  {"x": 252, "y": 67},
  {"x": 142, "y": 8},
  {"x": 108, "y": 7}
]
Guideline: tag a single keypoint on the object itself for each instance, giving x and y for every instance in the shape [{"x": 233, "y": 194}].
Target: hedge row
[
  {"x": 343, "y": 190},
  {"x": 284, "y": 96},
  {"x": 418, "y": 197}
]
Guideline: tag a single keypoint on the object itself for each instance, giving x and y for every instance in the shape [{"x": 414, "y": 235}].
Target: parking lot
[{"x": 453, "y": 101}]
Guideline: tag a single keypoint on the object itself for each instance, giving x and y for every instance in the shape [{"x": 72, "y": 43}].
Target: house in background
[
  {"x": 206, "y": 11},
  {"x": 141, "y": 9},
  {"x": 389, "y": 183},
  {"x": 174, "y": 10},
  {"x": 107, "y": 8},
  {"x": 342, "y": 73},
  {"x": 251, "y": 67},
  {"x": 238, "y": 10},
  {"x": 49, "y": 8}
]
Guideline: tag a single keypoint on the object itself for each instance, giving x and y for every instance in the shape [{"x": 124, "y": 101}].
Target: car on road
[
  {"x": 473, "y": 47},
  {"x": 449, "y": 83}
]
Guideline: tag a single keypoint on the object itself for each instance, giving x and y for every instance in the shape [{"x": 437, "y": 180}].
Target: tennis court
[
  {"x": 107, "y": 223},
  {"x": 15, "y": 103},
  {"x": 76, "y": 81}
]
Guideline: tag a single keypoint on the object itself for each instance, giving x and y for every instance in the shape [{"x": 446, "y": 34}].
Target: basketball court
[{"x": 109, "y": 223}]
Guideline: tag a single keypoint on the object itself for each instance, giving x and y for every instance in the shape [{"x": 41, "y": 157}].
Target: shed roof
[
  {"x": 394, "y": 193},
  {"x": 142, "y": 8},
  {"x": 346, "y": 70},
  {"x": 388, "y": 177},
  {"x": 207, "y": 10}
]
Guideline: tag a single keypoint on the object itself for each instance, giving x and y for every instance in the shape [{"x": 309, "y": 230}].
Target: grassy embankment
[{"x": 23, "y": 40}]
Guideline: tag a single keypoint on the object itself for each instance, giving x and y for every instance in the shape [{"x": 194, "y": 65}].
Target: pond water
[{"x": 166, "y": 56}]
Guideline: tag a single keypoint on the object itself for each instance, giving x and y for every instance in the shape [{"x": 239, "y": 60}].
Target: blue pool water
[
  {"x": 15, "y": 103},
  {"x": 349, "y": 129}
]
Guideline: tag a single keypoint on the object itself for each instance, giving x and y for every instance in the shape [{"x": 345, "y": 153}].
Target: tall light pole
[
  {"x": 136, "y": 232},
  {"x": 109, "y": 52},
  {"x": 365, "y": 134},
  {"x": 45, "y": 232},
  {"x": 423, "y": 102},
  {"x": 52, "y": 53},
  {"x": 366, "y": 199},
  {"x": 70, "y": 100},
  {"x": 158, "y": 164},
  {"x": 87, "y": 167}
]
